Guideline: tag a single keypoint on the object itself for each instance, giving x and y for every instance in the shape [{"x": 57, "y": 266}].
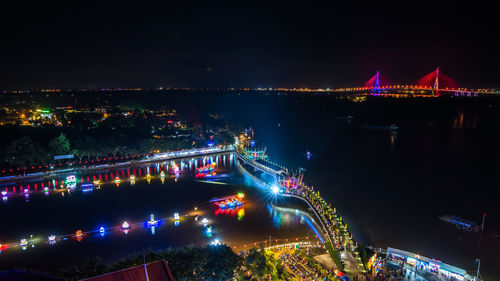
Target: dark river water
[
  {"x": 392, "y": 186},
  {"x": 43, "y": 213},
  {"x": 389, "y": 186}
]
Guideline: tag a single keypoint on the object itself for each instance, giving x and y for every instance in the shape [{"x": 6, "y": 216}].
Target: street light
[{"x": 275, "y": 189}]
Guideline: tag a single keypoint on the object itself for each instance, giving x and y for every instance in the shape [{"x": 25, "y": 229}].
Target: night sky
[{"x": 245, "y": 43}]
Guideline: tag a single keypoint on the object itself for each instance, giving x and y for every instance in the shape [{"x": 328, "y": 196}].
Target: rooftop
[{"x": 157, "y": 271}]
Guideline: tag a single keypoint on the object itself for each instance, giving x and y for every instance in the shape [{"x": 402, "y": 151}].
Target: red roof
[{"x": 156, "y": 271}]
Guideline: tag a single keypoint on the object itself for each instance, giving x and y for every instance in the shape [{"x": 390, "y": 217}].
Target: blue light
[
  {"x": 208, "y": 231},
  {"x": 102, "y": 231}
]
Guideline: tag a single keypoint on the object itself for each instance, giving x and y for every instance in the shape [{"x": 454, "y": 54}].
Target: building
[
  {"x": 428, "y": 265},
  {"x": 154, "y": 271}
]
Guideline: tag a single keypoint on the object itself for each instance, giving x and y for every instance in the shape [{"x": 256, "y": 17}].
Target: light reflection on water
[
  {"x": 282, "y": 216},
  {"x": 109, "y": 205},
  {"x": 163, "y": 170}
]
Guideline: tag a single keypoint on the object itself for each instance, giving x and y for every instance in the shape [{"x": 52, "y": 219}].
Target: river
[{"x": 43, "y": 212}]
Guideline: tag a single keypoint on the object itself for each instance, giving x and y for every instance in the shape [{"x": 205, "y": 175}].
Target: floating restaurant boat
[
  {"x": 206, "y": 171},
  {"x": 229, "y": 201},
  {"x": 460, "y": 222}
]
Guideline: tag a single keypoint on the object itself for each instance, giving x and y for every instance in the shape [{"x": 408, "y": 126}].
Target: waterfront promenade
[
  {"x": 334, "y": 229},
  {"x": 166, "y": 156}
]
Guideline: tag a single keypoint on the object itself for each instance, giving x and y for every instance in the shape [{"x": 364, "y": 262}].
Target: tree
[
  {"x": 86, "y": 147},
  {"x": 59, "y": 145},
  {"x": 335, "y": 255},
  {"x": 23, "y": 152},
  {"x": 186, "y": 263},
  {"x": 256, "y": 262}
]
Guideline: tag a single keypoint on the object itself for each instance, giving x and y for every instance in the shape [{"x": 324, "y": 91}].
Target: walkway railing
[
  {"x": 334, "y": 228},
  {"x": 155, "y": 158}
]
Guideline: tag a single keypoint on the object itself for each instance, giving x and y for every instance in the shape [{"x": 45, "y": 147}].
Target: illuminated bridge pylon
[
  {"x": 374, "y": 82},
  {"x": 436, "y": 81},
  {"x": 435, "y": 87}
]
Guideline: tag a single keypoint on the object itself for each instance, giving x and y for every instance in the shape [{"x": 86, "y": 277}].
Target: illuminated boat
[
  {"x": 177, "y": 217},
  {"x": 125, "y": 225},
  {"x": 79, "y": 233},
  {"x": 24, "y": 242},
  {"x": 207, "y": 170},
  {"x": 52, "y": 239},
  {"x": 132, "y": 178},
  {"x": 204, "y": 221},
  {"x": 162, "y": 174},
  {"x": 4, "y": 193},
  {"x": 152, "y": 221},
  {"x": 117, "y": 180},
  {"x": 229, "y": 203},
  {"x": 87, "y": 187}
]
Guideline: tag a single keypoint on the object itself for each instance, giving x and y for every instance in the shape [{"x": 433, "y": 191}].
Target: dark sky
[{"x": 245, "y": 43}]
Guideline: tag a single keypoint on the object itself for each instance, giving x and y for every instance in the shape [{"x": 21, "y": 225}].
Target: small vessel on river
[
  {"x": 392, "y": 127},
  {"x": 460, "y": 222}
]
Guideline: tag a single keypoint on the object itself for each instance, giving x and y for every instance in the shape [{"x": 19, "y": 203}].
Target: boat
[
  {"x": 52, "y": 239},
  {"x": 23, "y": 243},
  {"x": 152, "y": 221},
  {"x": 125, "y": 225},
  {"x": 460, "y": 222}
]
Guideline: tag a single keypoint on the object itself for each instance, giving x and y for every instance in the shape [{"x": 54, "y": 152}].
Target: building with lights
[{"x": 428, "y": 265}]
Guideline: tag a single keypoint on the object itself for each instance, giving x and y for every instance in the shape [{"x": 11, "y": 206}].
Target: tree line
[{"x": 24, "y": 152}]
